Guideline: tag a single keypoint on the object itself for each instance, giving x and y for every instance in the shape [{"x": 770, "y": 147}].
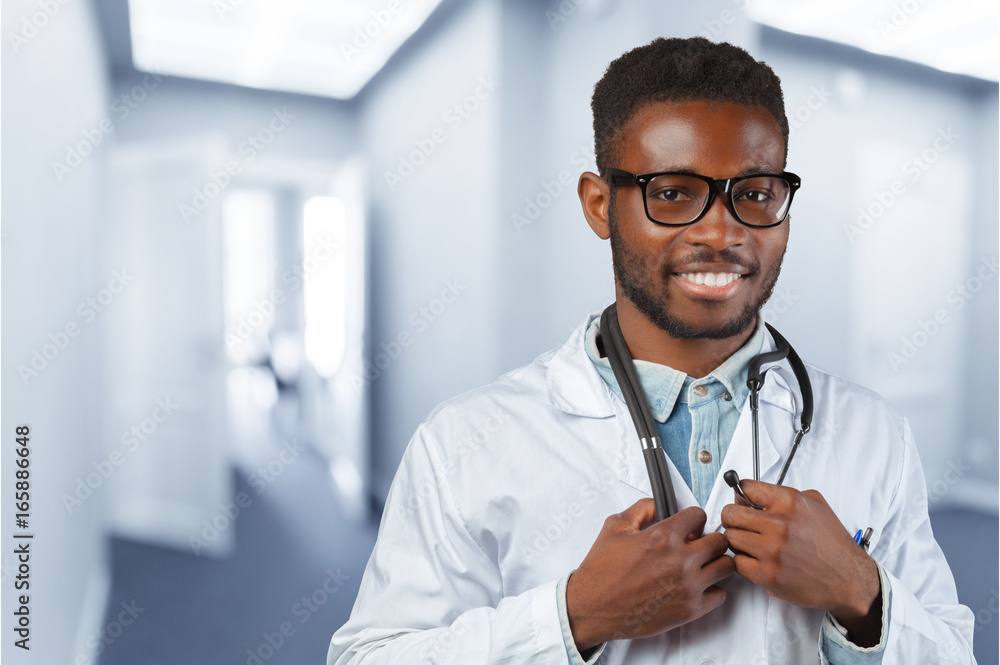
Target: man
[{"x": 496, "y": 544}]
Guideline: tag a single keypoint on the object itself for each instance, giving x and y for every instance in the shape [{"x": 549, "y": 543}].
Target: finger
[
  {"x": 713, "y": 597},
  {"x": 634, "y": 518},
  {"x": 739, "y": 516},
  {"x": 717, "y": 570},
  {"x": 765, "y": 494},
  {"x": 747, "y": 542},
  {"x": 753, "y": 570},
  {"x": 709, "y": 547},
  {"x": 689, "y": 521},
  {"x": 815, "y": 496}
]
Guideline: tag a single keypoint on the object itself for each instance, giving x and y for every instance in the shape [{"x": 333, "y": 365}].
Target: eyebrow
[{"x": 753, "y": 170}]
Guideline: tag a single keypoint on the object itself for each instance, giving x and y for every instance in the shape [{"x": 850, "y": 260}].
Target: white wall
[
  {"x": 854, "y": 289},
  {"x": 435, "y": 234},
  {"x": 50, "y": 247}
]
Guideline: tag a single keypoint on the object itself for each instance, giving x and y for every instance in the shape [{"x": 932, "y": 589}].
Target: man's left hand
[{"x": 797, "y": 550}]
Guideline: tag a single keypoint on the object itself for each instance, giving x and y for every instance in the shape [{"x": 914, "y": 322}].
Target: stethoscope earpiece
[{"x": 733, "y": 480}]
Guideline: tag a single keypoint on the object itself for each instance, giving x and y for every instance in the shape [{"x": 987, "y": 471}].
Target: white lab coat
[{"x": 502, "y": 491}]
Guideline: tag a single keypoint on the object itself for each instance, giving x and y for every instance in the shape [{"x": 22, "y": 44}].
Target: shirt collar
[{"x": 663, "y": 385}]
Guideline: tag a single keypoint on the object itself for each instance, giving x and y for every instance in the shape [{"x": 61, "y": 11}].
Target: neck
[{"x": 696, "y": 357}]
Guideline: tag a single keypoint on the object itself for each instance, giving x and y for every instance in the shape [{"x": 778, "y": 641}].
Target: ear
[{"x": 594, "y": 197}]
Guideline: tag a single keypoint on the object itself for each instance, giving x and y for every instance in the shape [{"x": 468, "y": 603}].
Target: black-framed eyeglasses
[{"x": 675, "y": 198}]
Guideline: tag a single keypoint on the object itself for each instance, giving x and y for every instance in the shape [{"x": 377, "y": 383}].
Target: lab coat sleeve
[
  {"x": 838, "y": 650},
  {"x": 927, "y": 624},
  {"x": 431, "y": 595}
]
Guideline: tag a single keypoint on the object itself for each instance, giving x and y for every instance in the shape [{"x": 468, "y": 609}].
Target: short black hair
[{"x": 679, "y": 70}]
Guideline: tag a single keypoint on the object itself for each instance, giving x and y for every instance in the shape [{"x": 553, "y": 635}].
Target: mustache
[{"x": 728, "y": 255}]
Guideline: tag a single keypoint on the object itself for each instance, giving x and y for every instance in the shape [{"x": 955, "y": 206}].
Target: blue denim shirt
[
  {"x": 696, "y": 434},
  {"x": 696, "y": 419}
]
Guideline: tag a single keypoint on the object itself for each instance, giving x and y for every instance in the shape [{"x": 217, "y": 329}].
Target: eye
[
  {"x": 755, "y": 196},
  {"x": 670, "y": 195}
]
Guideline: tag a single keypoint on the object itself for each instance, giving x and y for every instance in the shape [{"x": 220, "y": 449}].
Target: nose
[{"x": 718, "y": 228}]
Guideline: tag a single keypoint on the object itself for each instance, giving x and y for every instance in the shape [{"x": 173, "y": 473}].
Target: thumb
[
  {"x": 765, "y": 494},
  {"x": 636, "y": 517}
]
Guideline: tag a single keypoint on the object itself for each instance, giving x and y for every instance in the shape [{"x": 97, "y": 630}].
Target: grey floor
[
  {"x": 204, "y": 612},
  {"x": 971, "y": 544},
  {"x": 289, "y": 542}
]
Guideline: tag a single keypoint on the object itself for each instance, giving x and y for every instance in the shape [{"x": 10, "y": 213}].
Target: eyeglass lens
[{"x": 678, "y": 199}]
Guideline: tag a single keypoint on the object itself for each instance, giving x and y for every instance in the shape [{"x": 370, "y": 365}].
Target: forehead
[{"x": 717, "y": 139}]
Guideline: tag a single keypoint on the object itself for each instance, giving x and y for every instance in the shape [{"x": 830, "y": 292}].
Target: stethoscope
[{"x": 635, "y": 399}]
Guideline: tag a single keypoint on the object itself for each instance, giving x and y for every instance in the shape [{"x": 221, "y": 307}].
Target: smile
[
  {"x": 711, "y": 278},
  {"x": 710, "y": 285}
]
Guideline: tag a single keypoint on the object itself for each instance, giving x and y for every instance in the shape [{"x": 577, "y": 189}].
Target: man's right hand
[{"x": 637, "y": 581}]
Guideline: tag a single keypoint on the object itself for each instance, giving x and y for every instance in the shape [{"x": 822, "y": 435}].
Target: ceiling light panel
[
  {"x": 960, "y": 36},
  {"x": 329, "y": 48}
]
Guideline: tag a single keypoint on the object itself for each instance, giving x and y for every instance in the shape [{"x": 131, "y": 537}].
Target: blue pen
[{"x": 863, "y": 538}]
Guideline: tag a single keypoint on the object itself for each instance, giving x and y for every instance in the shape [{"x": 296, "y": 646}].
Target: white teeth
[{"x": 711, "y": 278}]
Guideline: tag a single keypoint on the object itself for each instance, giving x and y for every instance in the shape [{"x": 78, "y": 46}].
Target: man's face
[{"x": 659, "y": 267}]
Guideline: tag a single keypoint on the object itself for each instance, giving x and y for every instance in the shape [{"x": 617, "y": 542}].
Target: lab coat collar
[
  {"x": 574, "y": 385},
  {"x": 777, "y": 389}
]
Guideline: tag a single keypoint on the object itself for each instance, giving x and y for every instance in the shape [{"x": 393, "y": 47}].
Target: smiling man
[{"x": 534, "y": 541}]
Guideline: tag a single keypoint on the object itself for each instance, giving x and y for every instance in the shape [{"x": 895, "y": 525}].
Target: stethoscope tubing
[
  {"x": 664, "y": 497},
  {"x": 657, "y": 467}
]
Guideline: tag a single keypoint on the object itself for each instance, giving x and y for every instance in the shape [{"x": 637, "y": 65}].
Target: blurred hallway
[
  {"x": 290, "y": 582},
  {"x": 234, "y": 280}
]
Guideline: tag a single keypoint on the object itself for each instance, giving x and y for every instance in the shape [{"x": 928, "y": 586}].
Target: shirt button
[
  {"x": 705, "y": 661},
  {"x": 726, "y": 396},
  {"x": 704, "y": 457},
  {"x": 701, "y": 391}
]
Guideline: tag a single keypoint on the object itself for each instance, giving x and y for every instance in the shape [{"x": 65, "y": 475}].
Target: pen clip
[{"x": 864, "y": 539}]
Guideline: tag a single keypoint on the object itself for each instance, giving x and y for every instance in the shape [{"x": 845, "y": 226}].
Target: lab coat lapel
[
  {"x": 775, "y": 394},
  {"x": 634, "y": 472}
]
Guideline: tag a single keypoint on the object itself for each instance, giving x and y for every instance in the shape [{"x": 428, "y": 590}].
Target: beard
[{"x": 651, "y": 298}]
